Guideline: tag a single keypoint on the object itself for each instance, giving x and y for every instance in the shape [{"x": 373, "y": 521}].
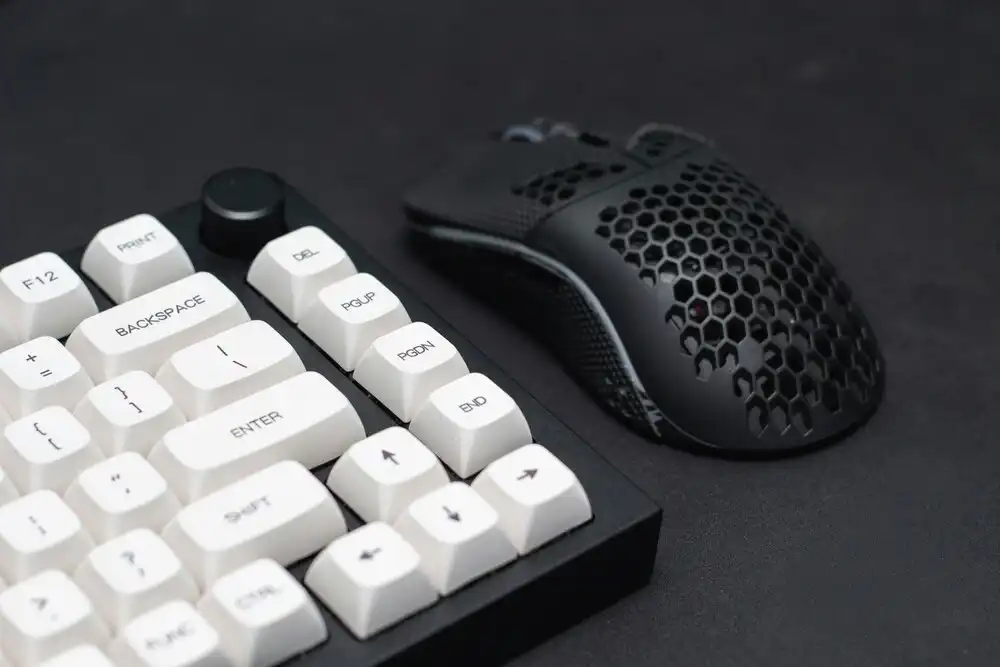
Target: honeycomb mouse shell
[{"x": 674, "y": 290}]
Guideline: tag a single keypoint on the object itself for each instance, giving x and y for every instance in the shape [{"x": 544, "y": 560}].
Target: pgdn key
[{"x": 402, "y": 368}]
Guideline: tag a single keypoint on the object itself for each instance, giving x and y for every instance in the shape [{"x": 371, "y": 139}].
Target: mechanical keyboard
[{"x": 230, "y": 438}]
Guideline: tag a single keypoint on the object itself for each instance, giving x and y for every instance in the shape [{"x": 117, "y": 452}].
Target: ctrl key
[
  {"x": 172, "y": 635},
  {"x": 264, "y": 615}
]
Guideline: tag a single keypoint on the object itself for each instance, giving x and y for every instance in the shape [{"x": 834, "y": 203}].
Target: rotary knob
[{"x": 241, "y": 210}]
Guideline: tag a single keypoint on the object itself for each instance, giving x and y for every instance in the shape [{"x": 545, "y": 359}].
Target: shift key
[
  {"x": 141, "y": 334},
  {"x": 282, "y": 512}
]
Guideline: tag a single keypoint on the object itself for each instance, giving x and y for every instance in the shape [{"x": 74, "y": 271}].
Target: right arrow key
[{"x": 536, "y": 496}]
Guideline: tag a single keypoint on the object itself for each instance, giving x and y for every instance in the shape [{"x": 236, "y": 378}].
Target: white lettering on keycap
[{"x": 161, "y": 315}]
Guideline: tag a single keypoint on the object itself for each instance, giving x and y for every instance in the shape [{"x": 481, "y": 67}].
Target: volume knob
[{"x": 241, "y": 210}]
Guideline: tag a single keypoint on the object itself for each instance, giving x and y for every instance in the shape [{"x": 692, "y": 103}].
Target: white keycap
[
  {"x": 282, "y": 512},
  {"x": 290, "y": 270},
  {"x": 47, "y": 615},
  {"x": 470, "y": 422},
  {"x": 457, "y": 535},
  {"x": 120, "y": 494},
  {"x": 370, "y": 579},
  {"x": 47, "y": 450},
  {"x": 8, "y": 491},
  {"x": 40, "y": 532},
  {"x": 349, "y": 315},
  {"x": 133, "y": 574},
  {"x": 43, "y": 296},
  {"x": 40, "y": 373},
  {"x": 84, "y": 655},
  {"x": 4, "y": 417},
  {"x": 402, "y": 368},
  {"x": 228, "y": 366},
  {"x": 304, "y": 419},
  {"x": 141, "y": 334},
  {"x": 379, "y": 476},
  {"x": 133, "y": 257},
  {"x": 172, "y": 635},
  {"x": 7, "y": 337},
  {"x": 536, "y": 496},
  {"x": 129, "y": 413},
  {"x": 263, "y": 615}
]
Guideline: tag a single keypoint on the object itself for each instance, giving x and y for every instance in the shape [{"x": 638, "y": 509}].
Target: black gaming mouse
[{"x": 668, "y": 283}]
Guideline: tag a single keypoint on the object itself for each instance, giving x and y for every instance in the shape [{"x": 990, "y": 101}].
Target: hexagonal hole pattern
[
  {"x": 557, "y": 187},
  {"x": 747, "y": 288}
]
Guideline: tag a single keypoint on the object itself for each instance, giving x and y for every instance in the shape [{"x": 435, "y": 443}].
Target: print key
[
  {"x": 40, "y": 373},
  {"x": 133, "y": 257}
]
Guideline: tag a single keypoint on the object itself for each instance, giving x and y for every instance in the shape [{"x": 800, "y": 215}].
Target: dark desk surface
[{"x": 877, "y": 123}]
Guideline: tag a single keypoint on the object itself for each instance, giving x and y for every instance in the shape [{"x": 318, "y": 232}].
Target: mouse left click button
[{"x": 135, "y": 256}]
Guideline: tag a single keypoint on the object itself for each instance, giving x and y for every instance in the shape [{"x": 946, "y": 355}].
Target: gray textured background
[{"x": 875, "y": 122}]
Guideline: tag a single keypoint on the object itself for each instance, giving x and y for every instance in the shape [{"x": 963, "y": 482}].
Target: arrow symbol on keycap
[
  {"x": 368, "y": 555},
  {"x": 454, "y": 516},
  {"x": 529, "y": 473},
  {"x": 389, "y": 456},
  {"x": 40, "y": 603}
]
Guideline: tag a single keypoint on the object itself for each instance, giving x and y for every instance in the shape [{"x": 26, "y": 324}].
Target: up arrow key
[
  {"x": 529, "y": 473},
  {"x": 368, "y": 555}
]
